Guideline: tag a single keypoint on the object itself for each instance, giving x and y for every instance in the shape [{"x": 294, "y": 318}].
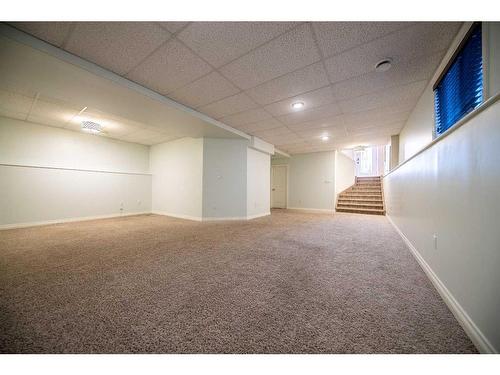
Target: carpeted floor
[{"x": 288, "y": 283}]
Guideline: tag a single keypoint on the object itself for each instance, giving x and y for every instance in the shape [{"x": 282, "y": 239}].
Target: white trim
[
  {"x": 314, "y": 210},
  {"x": 69, "y": 220},
  {"x": 250, "y": 217},
  {"x": 177, "y": 216},
  {"x": 474, "y": 333},
  {"x": 227, "y": 218},
  {"x": 282, "y": 153},
  {"x": 73, "y": 169}
]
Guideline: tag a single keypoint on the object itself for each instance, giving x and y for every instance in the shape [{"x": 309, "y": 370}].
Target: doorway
[{"x": 279, "y": 177}]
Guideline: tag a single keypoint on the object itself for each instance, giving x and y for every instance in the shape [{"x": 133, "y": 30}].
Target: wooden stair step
[
  {"x": 360, "y": 206},
  {"x": 366, "y": 200},
  {"x": 371, "y": 211}
]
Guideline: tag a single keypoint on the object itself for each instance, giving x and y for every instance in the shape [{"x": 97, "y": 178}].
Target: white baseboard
[
  {"x": 68, "y": 220},
  {"x": 313, "y": 210},
  {"x": 199, "y": 218},
  {"x": 474, "y": 333},
  {"x": 250, "y": 217},
  {"x": 230, "y": 218},
  {"x": 177, "y": 216}
]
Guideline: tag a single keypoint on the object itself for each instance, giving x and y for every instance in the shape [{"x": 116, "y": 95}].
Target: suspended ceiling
[{"x": 247, "y": 74}]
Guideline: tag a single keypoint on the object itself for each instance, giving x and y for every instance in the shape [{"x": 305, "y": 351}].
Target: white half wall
[
  {"x": 224, "y": 178},
  {"x": 258, "y": 183},
  {"x": 311, "y": 184},
  {"x": 451, "y": 191},
  {"x": 177, "y": 169},
  {"x": 52, "y": 175},
  {"x": 345, "y": 172}
]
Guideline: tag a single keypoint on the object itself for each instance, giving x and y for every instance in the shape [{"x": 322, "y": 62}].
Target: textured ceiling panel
[
  {"x": 228, "y": 106},
  {"x": 303, "y": 80},
  {"x": 205, "y": 65},
  {"x": 205, "y": 90},
  {"x": 173, "y": 27},
  {"x": 52, "y": 32},
  {"x": 117, "y": 46},
  {"x": 222, "y": 42},
  {"x": 310, "y": 114},
  {"x": 52, "y": 113},
  {"x": 401, "y": 74},
  {"x": 14, "y": 105},
  {"x": 246, "y": 117},
  {"x": 287, "y": 53},
  {"x": 310, "y": 99},
  {"x": 170, "y": 67},
  {"x": 335, "y": 37},
  {"x": 266, "y": 124},
  {"x": 406, "y": 45},
  {"x": 397, "y": 97}
]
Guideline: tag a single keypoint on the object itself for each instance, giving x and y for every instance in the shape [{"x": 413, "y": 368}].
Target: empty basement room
[{"x": 261, "y": 187}]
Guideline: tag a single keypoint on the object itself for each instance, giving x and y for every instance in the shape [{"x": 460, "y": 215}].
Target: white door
[{"x": 278, "y": 186}]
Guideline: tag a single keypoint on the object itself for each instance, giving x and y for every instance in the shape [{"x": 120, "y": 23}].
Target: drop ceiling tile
[
  {"x": 290, "y": 51},
  {"x": 317, "y": 133},
  {"x": 374, "y": 117},
  {"x": 222, "y": 42},
  {"x": 281, "y": 131},
  {"x": 328, "y": 110},
  {"x": 246, "y": 117},
  {"x": 117, "y": 46},
  {"x": 228, "y": 106},
  {"x": 53, "y": 113},
  {"x": 424, "y": 38},
  {"x": 399, "y": 98},
  {"x": 387, "y": 129},
  {"x": 170, "y": 67},
  {"x": 267, "y": 124},
  {"x": 205, "y": 90},
  {"x": 335, "y": 37},
  {"x": 14, "y": 105},
  {"x": 143, "y": 135},
  {"x": 325, "y": 122},
  {"x": 52, "y": 32},
  {"x": 303, "y": 80},
  {"x": 173, "y": 26},
  {"x": 282, "y": 139},
  {"x": 311, "y": 99},
  {"x": 401, "y": 73}
]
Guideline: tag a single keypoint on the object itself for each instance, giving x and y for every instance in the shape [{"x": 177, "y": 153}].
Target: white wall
[
  {"x": 418, "y": 130},
  {"x": 224, "y": 178},
  {"x": 344, "y": 172},
  {"x": 50, "y": 174},
  {"x": 452, "y": 190},
  {"x": 177, "y": 169},
  {"x": 311, "y": 180},
  {"x": 258, "y": 183}
]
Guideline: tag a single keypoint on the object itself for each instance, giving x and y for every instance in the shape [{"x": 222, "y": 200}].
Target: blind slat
[{"x": 461, "y": 88}]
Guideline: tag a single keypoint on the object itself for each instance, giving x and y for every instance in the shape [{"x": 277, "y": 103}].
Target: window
[{"x": 460, "y": 88}]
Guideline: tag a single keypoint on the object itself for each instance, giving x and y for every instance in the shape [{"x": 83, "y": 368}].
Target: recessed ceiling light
[
  {"x": 91, "y": 127},
  {"x": 297, "y": 105},
  {"x": 325, "y": 138},
  {"x": 384, "y": 65}
]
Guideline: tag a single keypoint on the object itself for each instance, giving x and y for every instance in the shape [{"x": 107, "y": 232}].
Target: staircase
[{"x": 364, "y": 197}]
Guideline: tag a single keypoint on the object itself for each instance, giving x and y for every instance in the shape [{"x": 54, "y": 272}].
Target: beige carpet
[{"x": 289, "y": 283}]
